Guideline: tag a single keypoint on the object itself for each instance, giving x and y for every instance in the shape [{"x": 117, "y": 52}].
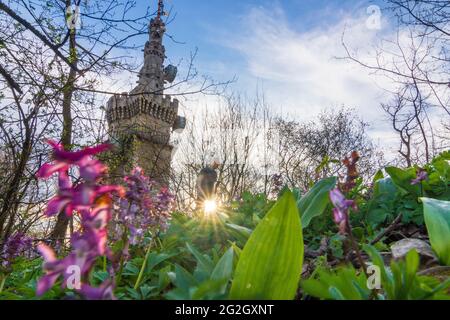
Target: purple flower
[
  {"x": 93, "y": 204},
  {"x": 81, "y": 197},
  {"x": 85, "y": 250},
  {"x": 136, "y": 235},
  {"x": 64, "y": 159},
  {"x": 104, "y": 292},
  {"x": 341, "y": 209},
  {"x": 422, "y": 175},
  {"x": 15, "y": 246},
  {"x": 142, "y": 209},
  {"x": 51, "y": 266}
]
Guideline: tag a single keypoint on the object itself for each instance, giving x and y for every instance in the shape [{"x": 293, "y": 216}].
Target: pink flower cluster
[
  {"x": 142, "y": 209},
  {"x": 92, "y": 202},
  {"x": 341, "y": 209},
  {"x": 15, "y": 246}
]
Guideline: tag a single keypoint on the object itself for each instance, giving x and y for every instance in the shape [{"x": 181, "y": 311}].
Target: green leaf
[
  {"x": 314, "y": 203},
  {"x": 131, "y": 269},
  {"x": 412, "y": 262},
  {"x": 377, "y": 259},
  {"x": 270, "y": 265},
  {"x": 316, "y": 288},
  {"x": 336, "y": 294},
  {"x": 134, "y": 294},
  {"x": 101, "y": 276},
  {"x": 384, "y": 188},
  {"x": 379, "y": 175},
  {"x": 343, "y": 283},
  {"x": 239, "y": 232},
  {"x": 403, "y": 178},
  {"x": 183, "y": 279},
  {"x": 210, "y": 289},
  {"x": 204, "y": 263},
  {"x": 155, "y": 259},
  {"x": 146, "y": 290},
  {"x": 437, "y": 220},
  {"x": 224, "y": 267},
  {"x": 177, "y": 294}
]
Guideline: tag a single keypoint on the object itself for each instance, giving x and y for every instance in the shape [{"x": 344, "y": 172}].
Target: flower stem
[
  {"x": 356, "y": 249},
  {"x": 104, "y": 263},
  {"x": 355, "y": 245},
  {"x": 2, "y": 283},
  {"x": 141, "y": 273}
]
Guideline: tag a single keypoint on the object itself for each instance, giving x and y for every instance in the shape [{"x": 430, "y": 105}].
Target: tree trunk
[
  {"x": 10, "y": 199},
  {"x": 62, "y": 222}
]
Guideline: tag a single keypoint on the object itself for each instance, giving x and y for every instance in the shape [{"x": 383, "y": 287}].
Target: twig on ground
[{"x": 388, "y": 230}]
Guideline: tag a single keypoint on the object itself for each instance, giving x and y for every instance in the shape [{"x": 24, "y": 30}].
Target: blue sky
[
  {"x": 287, "y": 47},
  {"x": 201, "y": 23}
]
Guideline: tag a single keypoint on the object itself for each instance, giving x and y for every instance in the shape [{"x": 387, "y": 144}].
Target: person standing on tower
[{"x": 206, "y": 183}]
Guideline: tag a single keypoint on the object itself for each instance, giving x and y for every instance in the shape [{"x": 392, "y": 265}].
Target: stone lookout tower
[{"x": 141, "y": 122}]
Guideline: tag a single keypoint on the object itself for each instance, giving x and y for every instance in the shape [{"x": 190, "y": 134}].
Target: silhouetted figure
[{"x": 206, "y": 183}]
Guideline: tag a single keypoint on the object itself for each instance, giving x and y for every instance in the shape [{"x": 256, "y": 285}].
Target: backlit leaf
[
  {"x": 437, "y": 219},
  {"x": 270, "y": 264}
]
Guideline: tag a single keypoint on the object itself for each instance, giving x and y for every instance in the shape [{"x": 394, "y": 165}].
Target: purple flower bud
[
  {"x": 341, "y": 209},
  {"x": 422, "y": 175}
]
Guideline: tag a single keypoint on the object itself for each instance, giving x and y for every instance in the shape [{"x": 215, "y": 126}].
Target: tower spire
[
  {"x": 160, "y": 9},
  {"x": 142, "y": 122},
  {"x": 151, "y": 76}
]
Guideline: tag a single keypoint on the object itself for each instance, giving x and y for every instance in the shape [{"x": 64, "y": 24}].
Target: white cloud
[
  {"x": 300, "y": 71},
  {"x": 303, "y": 65}
]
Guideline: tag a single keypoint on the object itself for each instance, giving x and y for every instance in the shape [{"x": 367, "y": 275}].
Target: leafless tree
[
  {"x": 408, "y": 112},
  {"x": 53, "y": 66},
  {"x": 258, "y": 149},
  {"x": 314, "y": 150},
  {"x": 416, "y": 61},
  {"x": 237, "y": 135}
]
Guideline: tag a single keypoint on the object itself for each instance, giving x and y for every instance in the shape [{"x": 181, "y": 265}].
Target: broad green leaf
[
  {"x": 412, "y": 262},
  {"x": 402, "y": 179},
  {"x": 314, "y": 203},
  {"x": 239, "y": 232},
  {"x": 177, "y": 294},
  {"x": 224, "y": 267},
  {"x": 384, "y": 188},
  {"x": 336, "y": 294},
  {"x": 155, "y": 259},
  {"x": 183, "y": 279},
  {"x": 343, "y": 283},
  {"x": 237, "y": 251},
  {"x": 437, "y": 220},
  {"x": 379, "y": 175},
  {"x": 134, "y": 294},
  {"x": 204, "y": 263},
  {"x": 316, "y": 288},
  {"x": 386, "y": 277},
  {"x": 210, "y": 289},
  {"x": 270, "y": 264},
  {"x": 163, "y": 278},
  {"x": 131, "y": 269}
]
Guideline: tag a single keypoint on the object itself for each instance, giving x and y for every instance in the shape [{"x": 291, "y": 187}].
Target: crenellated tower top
[{"x": 146, "y": 114}]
